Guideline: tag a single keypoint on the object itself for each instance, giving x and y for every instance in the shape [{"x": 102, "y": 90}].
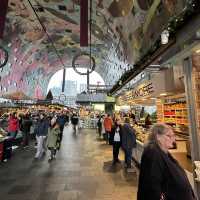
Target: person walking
[
  {"x": 108, "y": 127},
  {"x": 25, "y": 128},
  {"x": 116, "y": 138},
  {"x": 74, "y": 121},
  {"x": 66, "y": 116},
  {"x": 147, "y": 122},
  {"x": 61, "y": 120},
  {"x": 128, "y": 143},
  {"x": 161, "y": 177},
  {"x": 99, "y": 125},
  {"x": 13, "y": 125},
  {"x": 52, "y": 138},
  {"x": 103, "y": 132},
  {"x": 41, "y": 133}
]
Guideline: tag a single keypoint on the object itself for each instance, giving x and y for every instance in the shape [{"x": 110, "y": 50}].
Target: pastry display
[{"x": 141, "y": 134}]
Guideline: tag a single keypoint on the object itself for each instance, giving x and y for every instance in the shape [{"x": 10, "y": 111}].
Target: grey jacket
[{"x": 128, "y": 137}]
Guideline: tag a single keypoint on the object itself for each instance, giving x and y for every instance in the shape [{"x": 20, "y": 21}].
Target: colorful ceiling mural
[{"x": 122, "y": 31}]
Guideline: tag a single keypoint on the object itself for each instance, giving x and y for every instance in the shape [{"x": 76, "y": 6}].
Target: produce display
[
  {"x": 141, "y": 134},
  {"x": 174, "y": 114},
  {"x": 3, "y": 133}
]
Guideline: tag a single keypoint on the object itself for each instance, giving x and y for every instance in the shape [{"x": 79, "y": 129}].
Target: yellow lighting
[
  {"x": 100, "y": 107},
  {"x": 163, "y": 94},
  {"x": 123, "y": 12},
  {"x": 117, "y": 108},
  {"x": 198, "y": 51}
]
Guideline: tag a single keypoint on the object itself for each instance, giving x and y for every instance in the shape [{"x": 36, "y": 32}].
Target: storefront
[{"x": 166, "y": 92}]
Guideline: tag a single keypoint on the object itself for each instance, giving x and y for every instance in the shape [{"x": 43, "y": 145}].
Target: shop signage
[
  {"x": 110, "y": 99},
  {"x": 143, "y": 90}
]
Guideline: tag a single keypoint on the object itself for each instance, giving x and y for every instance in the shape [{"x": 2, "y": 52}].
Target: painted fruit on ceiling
[{"x": 119, "y": 32}]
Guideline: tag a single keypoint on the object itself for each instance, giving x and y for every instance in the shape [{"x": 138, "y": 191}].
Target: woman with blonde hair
[{"x": 161, "y": 176}]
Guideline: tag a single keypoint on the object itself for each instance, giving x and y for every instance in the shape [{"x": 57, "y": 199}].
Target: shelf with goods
[
  {"x": 160, "y": 111},
  {"x": 175, "y": 113},
  {"x": 141, "y": 134}
]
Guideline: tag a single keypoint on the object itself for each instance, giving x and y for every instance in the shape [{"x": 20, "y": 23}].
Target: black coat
[
  {"x": 160, "y": 174},
  {"x": 128, "y": 137},
  {"x": 74, "y": 119},
  {"x": 26, "y": 125},
  {"x": 112, "y": 135}
]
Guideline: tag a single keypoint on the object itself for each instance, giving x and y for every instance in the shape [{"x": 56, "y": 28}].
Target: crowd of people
[
  {"x": 48, "y": 129},
  {"x": 118, "y": 132},
  {"x": 161, "y": 176}
]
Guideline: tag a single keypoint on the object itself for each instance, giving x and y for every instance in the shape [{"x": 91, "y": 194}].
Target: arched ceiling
[{"x": 121, "y": 32}]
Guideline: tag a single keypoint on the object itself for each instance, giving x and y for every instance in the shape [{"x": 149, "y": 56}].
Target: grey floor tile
[{"x": 82, "y": 171}]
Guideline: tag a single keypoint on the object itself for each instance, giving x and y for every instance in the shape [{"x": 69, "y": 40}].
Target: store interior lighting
[
  {"x": 100, "y": 107},
  {"x": 163, "y": 94},
  {"x": 198, "y": 51}
]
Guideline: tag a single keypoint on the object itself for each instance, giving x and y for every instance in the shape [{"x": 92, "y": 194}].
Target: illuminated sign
[
  {"x": 110, "y": 99},
  {"x": 141, "y": 91}
]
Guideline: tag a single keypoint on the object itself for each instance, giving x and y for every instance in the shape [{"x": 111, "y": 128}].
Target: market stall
[
  {"x": 163, "y": 100},
  {"x": 5, "y": 146},
  {"x": 88, "y": 116}
]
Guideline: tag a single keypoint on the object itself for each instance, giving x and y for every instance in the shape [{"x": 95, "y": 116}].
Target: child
[{"x": 52, "y": 138}]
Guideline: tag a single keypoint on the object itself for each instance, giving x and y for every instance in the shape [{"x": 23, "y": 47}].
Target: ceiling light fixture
[{"x": 163, "y": 94}]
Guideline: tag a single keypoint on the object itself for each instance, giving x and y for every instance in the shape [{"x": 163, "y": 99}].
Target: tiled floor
[{"x": 81, "y": 171}]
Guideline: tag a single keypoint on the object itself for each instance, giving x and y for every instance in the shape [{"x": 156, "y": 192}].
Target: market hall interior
[{"x": 146, "y": 56}]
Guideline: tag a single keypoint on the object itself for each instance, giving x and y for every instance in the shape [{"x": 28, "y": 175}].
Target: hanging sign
[{"x": 143, "y": 90}]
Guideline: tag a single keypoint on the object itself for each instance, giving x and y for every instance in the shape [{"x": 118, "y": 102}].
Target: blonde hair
[{"x": 157, "y": 129}]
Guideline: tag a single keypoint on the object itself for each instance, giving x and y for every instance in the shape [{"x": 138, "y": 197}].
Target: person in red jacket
[
  {"x": 13, "y": 125},
  {"x": 108, "y": 127}
]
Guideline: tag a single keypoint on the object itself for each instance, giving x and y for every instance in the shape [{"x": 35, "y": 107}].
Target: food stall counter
[{"x": 141, "y": 138}]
